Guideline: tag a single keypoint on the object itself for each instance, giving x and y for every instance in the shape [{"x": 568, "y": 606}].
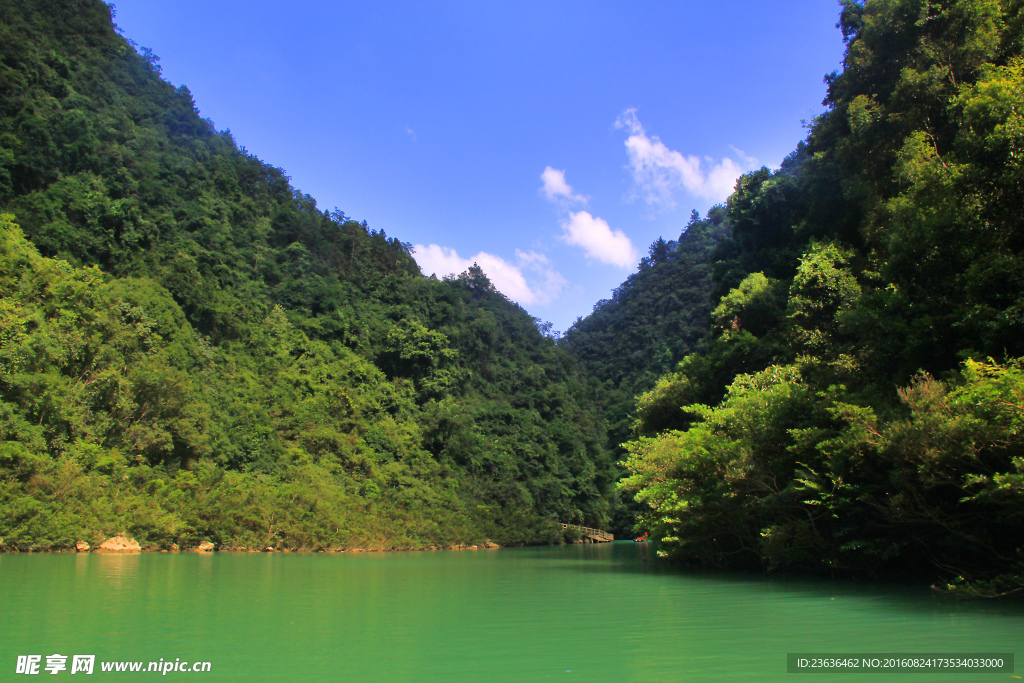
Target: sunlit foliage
[
  {"x": 191, "y": 349},
  {"x": 856, "y": 407}
]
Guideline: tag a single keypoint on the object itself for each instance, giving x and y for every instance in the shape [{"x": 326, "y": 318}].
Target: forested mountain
[
  {"x": 654, "y": 319},
  {"x": 858, "y": 407},
  {"x": 827, "y": 369},
  {"x": 191, "y": 349}
]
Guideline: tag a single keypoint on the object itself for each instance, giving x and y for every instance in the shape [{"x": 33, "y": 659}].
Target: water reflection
[
  {"x": 638, "y": 558},
  {"x": 81, "y": 566},
  {"x": 599, "y": 612},
  {"x": 117, "y": 572}
]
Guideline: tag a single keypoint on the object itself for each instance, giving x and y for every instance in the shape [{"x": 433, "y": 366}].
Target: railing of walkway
[{"x": 596, "y": 534}]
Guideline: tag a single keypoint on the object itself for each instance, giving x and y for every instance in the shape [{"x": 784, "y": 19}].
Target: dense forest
[
  {"x": 822, "y": 375},
  {"x": 857, "y": 407},
  {"x": 654, "y": 319},
  {"x": 191, "y": 350}
]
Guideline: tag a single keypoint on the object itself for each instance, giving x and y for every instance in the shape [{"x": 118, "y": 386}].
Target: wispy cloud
[
  {"x": 529, "y": 280},
  {"x": 598, "y": 239},
  {"x": 582, "y": 229},
  {"x": 659, "y": 171},
  {"x": 411, "y": 133},
  {"x": 557, "y": 190}
]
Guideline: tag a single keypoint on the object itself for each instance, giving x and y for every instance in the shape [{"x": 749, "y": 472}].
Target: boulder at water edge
[
  {"x": 120, "y": 544},
  {"x": 205, "y": 547},
  {"x": 82, "y": 547}
]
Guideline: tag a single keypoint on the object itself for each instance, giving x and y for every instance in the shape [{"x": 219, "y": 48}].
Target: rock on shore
[{"x": 119, "y": 544}]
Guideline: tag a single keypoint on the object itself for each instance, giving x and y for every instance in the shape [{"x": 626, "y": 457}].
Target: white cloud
[
  {"x": 658, "y": 171},
  {"x": 582, "y": 229},
  {"x": 598, "y": 240},
  {"x": 746, "y": 161},
  {"x": 548, "y": 282},
  {"x": 530, "y": 280},
  {"x": 556, "y": 189},
  {"x": 411, "y": 133}
]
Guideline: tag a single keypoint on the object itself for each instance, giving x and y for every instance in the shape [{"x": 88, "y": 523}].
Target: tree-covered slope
[
  {"x": 192, "y": 349},
  {"x": 654, "y": 319},
  {"x": 858, "y": 407}
]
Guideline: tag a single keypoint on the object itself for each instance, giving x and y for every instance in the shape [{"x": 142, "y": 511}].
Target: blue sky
[{"x": 552, "y": 142}]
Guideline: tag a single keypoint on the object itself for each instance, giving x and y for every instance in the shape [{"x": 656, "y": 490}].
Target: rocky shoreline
[{"x": 123, "y": 544}]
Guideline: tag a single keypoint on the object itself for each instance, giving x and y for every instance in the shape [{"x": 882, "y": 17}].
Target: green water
[{"x": 579, "y": 613}]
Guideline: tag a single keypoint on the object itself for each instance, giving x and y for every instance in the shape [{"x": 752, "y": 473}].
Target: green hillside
[
  {"x": 192, "y": 350},
  {"x": 823, "y": 375},
  {"x": 857, "y": 406}
]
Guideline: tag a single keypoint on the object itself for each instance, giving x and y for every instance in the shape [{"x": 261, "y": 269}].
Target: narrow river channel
[{"x": 606, "y": 612}]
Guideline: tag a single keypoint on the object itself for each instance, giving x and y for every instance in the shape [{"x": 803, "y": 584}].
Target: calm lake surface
[{"x": 604, "y": 612}]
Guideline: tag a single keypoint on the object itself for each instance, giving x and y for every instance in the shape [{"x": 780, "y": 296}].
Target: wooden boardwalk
[{"x": 595, "y": 535}]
